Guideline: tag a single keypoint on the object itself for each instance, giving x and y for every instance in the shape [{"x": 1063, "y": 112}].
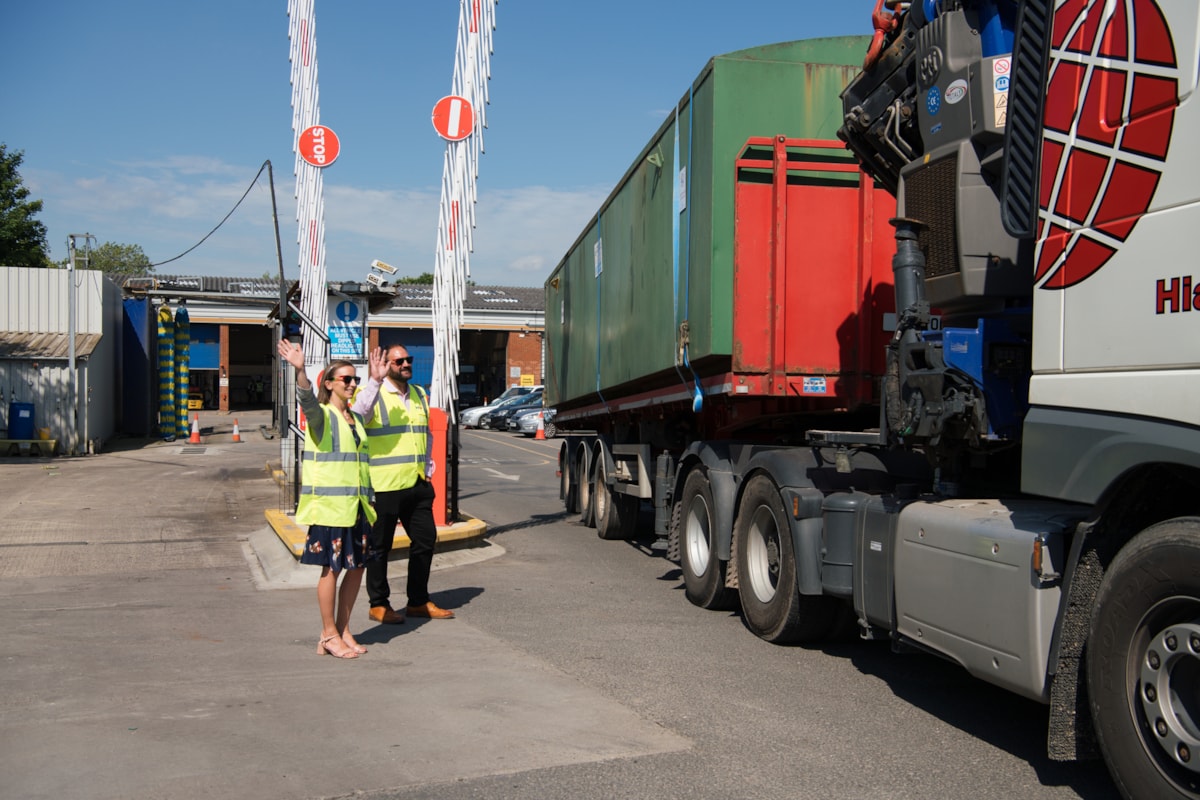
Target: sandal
[
  {"x": 323, "y": 648},
  {"x": 353, "y": 645}
]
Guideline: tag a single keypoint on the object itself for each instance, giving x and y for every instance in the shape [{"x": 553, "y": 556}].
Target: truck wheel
[
  {"x": 567, "y": 489},
  {"x": 772, "y": 606},
  {"x": 616, "y": 516},
  {"x": 1143, "y": 663},
  {"x": 607, "y": 509},
  {"x": 584, "y": 483},
  {"x": 703, "y": 572}
]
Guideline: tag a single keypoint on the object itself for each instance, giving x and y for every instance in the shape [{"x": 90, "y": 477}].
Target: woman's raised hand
[{"x": 291, "y": 353}]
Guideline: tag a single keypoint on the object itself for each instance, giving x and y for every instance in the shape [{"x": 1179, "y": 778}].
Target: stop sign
[
  {"x": 319, "y": 145},
  {"x": 453, "y": 118}
]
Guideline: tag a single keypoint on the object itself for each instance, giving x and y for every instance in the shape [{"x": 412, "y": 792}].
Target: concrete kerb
[
  {"x": 465, "y": 535},
  {"x": 293, "y": 536}
]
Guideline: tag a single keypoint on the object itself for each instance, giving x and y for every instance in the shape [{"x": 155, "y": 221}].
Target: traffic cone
[
  {"x": 237, "y": 436},
  {"x": 195, "y": 437},
  {"x": 541, "y": 429}
]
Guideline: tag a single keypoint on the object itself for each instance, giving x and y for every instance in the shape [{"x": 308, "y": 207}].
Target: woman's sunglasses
[{"x": 347, "y": 379}]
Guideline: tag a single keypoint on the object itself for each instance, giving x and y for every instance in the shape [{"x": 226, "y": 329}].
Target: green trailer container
[{"x": 650, "y": 279}]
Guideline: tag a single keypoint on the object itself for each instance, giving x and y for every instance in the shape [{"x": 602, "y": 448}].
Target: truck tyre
[
  {"x": 616, "y": 517},
  {"x": 568, "y": 491},
  {"x": 703, "y": 572},
  {"x": 583, "y": 482},
  {"x": 1143, "y": 663},
  {"x": 772, "y": 606}
]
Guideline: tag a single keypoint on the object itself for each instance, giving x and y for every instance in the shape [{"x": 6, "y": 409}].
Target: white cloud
[
  {"x": 524, "y": 232},
  {"x": 168, "y": 206}
]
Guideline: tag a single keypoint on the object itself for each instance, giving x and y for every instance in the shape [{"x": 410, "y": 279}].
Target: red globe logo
[{"x": 1110, "y": 110}]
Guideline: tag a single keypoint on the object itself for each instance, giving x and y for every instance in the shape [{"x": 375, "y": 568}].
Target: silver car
[
  {"x": 469, "y": 418},
  {"x": 527, "y": 421}
]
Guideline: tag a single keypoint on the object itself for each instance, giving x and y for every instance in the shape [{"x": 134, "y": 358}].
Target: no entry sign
[
  {"x": 319, "y": 145},
  {"x": 453, "y": 118}
]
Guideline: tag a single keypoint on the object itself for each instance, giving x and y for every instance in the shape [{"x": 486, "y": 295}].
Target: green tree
[
  {"x": 22, "y": 238},
  {"x": 116, "y": 259}
]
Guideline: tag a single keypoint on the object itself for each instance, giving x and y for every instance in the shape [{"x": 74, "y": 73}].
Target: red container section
[{"x": 813, "y": 289}]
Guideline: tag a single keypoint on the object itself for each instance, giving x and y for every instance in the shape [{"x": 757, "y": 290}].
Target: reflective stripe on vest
[
  {"x": 335, "y": 476},
  {"x": 330, "y": 491},
  {"x": 397, "y": 439},
  {"x": 381, "y": 411},
  {"x": 309, "y": 455},
  {"x": 381, "y": 461}
]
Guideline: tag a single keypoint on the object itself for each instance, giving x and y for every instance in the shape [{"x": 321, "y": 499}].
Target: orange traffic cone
[
  {"x": 541, "y": 429},
  {"x": 195, "y": 437},
  {"x": 237, "y": 436}
]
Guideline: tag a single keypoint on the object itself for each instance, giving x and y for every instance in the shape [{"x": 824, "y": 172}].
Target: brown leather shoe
[
  {"x": 429, "y": 610},
  {"x": 386, "y": 615}
]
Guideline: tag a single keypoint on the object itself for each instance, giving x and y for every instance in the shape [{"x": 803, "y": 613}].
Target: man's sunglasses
[
  {"x": 347, "y": 379},
  {"x": 399, "y": 362}
]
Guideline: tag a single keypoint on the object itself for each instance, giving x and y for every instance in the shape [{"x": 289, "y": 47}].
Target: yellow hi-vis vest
[
  {"x": 335, "y": 481},
  {"x": 397, "y": 438}
]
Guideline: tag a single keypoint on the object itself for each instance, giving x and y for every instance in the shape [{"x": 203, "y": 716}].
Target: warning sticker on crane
[{"x": 1000, "y": 70}]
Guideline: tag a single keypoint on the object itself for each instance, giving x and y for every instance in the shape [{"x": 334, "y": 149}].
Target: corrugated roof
[
  {"x": 251, "y": 287},
  {"x": 408, "y": 295},
  {"x": 32, "y": 346},
  {"x": 508, "y": 298}
]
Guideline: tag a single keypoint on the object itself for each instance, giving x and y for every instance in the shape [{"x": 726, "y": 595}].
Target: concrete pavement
[{"x": 143, "y": 658}]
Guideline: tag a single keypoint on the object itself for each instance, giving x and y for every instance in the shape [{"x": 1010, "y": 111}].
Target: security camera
[{"x": 382, "y": 267}]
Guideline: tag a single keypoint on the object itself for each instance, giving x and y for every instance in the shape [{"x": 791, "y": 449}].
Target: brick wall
[{"x": 524, "y": 351}]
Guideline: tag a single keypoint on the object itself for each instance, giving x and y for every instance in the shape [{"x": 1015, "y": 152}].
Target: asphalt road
[
  {"x": 847, "y": 719},
  {"x": 148, "y": 653}
]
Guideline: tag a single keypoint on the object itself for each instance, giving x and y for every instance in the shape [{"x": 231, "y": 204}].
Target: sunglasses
[
  {"x": 399, "y": 362},
  {"x": 347, "y": 379}
]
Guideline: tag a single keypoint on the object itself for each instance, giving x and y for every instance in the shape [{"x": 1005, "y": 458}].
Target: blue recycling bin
[{"x": 20, "y": 420}]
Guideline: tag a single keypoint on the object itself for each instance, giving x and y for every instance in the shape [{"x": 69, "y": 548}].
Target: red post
[{"x": 439, "y": 425}]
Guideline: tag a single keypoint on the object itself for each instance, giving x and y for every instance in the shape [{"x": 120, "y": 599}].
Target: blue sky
[{"x": 144, "y": 121}]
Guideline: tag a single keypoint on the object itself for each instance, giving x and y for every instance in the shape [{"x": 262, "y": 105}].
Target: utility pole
[{"x": 72, "y": 372}]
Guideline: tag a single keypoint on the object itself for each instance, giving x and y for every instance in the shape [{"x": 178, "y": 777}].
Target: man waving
[{"x": 397, "y": 424}]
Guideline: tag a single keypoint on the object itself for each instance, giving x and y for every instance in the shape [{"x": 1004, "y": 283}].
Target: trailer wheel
[
  {"x": 567, "y": 489},
  {"x": 772, "y": 606},
  {"x": 1143, "y": 663},
  {"x": 616, "y": 516},
  {"x": 703, "y": 572},
  {"x": 583, "y": 481}
]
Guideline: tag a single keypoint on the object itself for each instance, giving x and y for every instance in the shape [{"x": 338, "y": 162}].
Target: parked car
[
  {"x": 526, "y": 422},
  {"x": 497, "y": 419},
  {"x": 514, "y": 421},
  {"x": 469, "y": 418}
]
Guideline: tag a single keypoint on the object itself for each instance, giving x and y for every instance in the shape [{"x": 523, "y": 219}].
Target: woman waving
[{"x": 335, "y": 499}]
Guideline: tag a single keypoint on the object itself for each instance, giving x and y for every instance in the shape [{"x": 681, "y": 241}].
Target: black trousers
[{"x": 413, "y": 508}]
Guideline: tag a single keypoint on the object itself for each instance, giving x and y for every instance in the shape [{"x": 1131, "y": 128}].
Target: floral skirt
[{"x": 340, "y": 548}]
